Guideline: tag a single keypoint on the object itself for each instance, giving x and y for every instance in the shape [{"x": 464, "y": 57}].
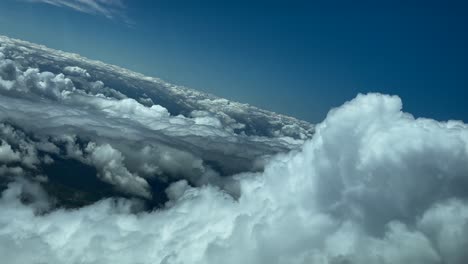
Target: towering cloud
[{"x": 369, "y": 184}]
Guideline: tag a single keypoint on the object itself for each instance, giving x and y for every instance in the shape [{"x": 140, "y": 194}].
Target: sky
[{"x": 300, "y": 58}]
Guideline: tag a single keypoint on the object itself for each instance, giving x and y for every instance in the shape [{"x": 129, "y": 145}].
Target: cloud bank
[
  {"x": 374, "y": 185},
  {"x": 371, "y": 184}
]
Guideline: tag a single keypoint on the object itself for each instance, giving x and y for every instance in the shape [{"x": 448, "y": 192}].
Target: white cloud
[
  {"x": 177, "y": 145},
  {"x": 15, "y": 147},
  {"x": 446, "y": 225},
  {"x": 374, "y": 185},
  {"x": 109, "y": 163},
  {"x": 61, "y": 110},
  {"x": 32, "y": 83},
  {"x": 77, "y": 71},
  {"x": 238, "y": 117},
  {"x": 108, "y": 8}
]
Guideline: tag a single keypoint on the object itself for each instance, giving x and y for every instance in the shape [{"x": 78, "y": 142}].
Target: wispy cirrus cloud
[{"x": 111, "y": 9}]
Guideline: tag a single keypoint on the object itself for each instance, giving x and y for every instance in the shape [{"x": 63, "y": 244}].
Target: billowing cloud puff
[
  {"x": 374, "y": 185},
  {"x": 77, "y": 71},
  {"x": 369, "y": 184},
  {"x": 110, "y": 164},
  {"x": 7, "y": 154}
]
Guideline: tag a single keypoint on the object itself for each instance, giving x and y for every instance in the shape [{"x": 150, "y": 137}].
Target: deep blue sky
[{"x": 295, "y": 57}]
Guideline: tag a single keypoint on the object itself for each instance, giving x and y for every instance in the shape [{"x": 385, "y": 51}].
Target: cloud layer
[
  {"x": 121, "y": 132},
  {"x": 371, "y": 185}
]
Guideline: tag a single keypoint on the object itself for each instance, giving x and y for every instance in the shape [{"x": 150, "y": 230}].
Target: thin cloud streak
[{"x": 111, "y": 9}]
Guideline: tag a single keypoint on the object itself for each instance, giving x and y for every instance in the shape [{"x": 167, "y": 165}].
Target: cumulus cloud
[
  {"x": 31, "y": 82},
  {"x": 62, "y": 113},
  {"x": 7, "y": 154},
  {"x": 374, "y": 185},
  {"x": 369, "y": 184},
  {"x": 177, "y": 144},
  {"x": 178, "y": 100},
  {"x": 17, "y": 148},
  {"x": 77, "y": 71},
  {"x": 109, "y": 162}
]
